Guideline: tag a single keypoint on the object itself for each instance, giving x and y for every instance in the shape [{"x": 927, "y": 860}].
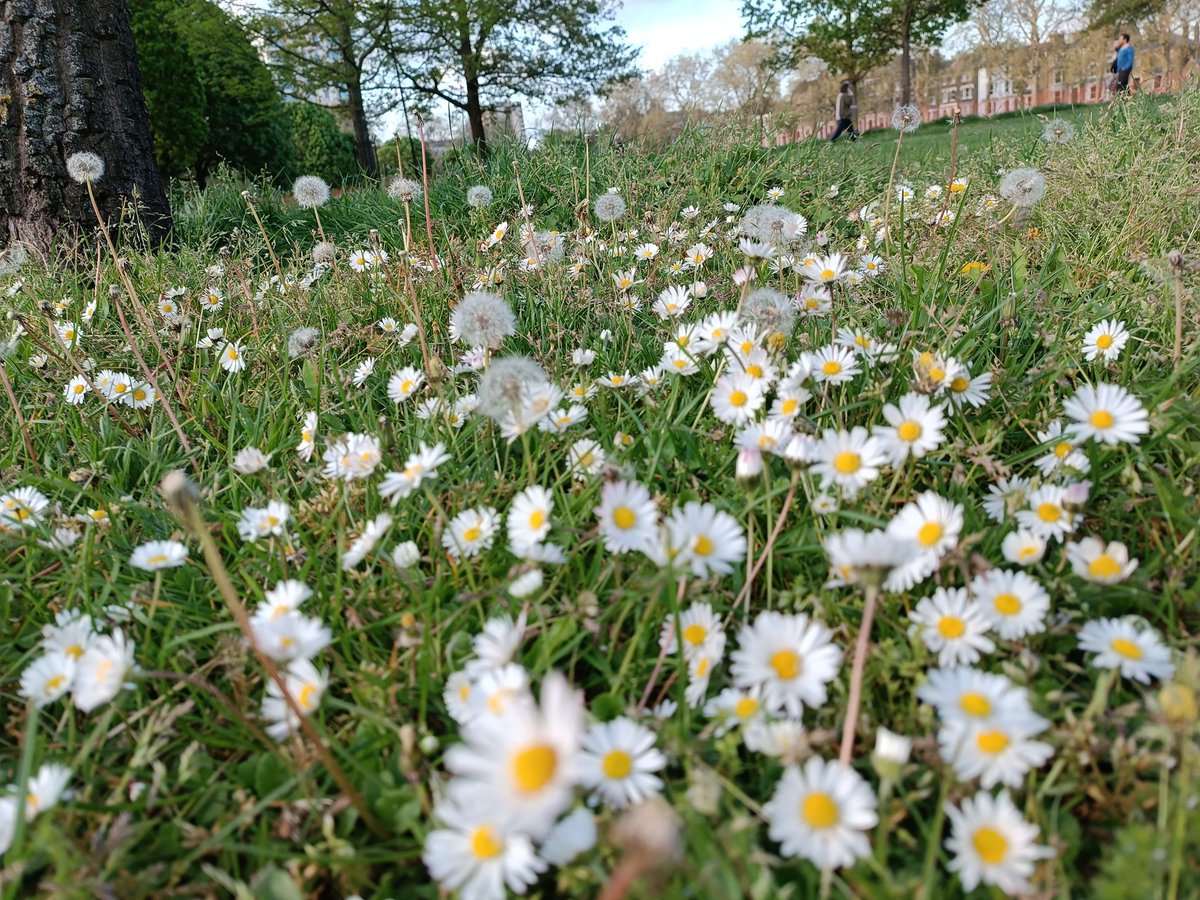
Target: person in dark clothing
[
  {"x": 844, "y": 110},
  {"x": 1124, "y": 63}
]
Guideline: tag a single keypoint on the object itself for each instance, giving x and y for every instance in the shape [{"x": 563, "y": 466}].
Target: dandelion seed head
[
  {"x": 773, "y": 224},
  {"x": 479, "y": 196},
  {"x": 1058, "y": 131},
  {"x": 302, "y": 340},
  {"x": 483, "y": 319},
  {"x": 1023, "y": 187},
  {"x": 506, "y": 383},
  {"x": 769, "y": 310},
  {"x": 906, "y": 119},
  {"x": 310, "y": 191},
  {"x": 85, "y": 166},
  {"x": 609, "y": 207},
  {"x": 323, "y": 253},
  {"x": 405, "y": 190}
]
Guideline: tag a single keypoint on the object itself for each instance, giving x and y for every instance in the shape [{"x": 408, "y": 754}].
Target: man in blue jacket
[{"x": 1124, "y": 64}]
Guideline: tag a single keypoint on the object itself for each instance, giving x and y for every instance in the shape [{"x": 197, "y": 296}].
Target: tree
[
  {"x": 333, "y": 53},
  {"x": 477, "y": 54},
  {"x": 852, "y": 37},
  {"x": 322, "y": 148},
  {"x": 174, "y": 94},
  {"x": 924, "y": 23},
  {"x": 69, "y": 82},
  {"x": 248, "y": 126}
]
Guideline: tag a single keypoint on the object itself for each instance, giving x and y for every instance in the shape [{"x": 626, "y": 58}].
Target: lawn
[{"x": 761, "y": 525}]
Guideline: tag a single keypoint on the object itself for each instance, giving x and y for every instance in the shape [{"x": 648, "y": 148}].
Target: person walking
[
  {"x": 845, "y": 109},
  {"x": 1124, "y": 64}
]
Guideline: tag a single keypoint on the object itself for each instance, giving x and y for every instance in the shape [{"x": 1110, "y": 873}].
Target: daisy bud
[
  {"x": 699, "y": 290},
  {"x": 179, "y": 490},
  {"x": 891, "y": 753},
  {"x": 749, "y": 463},
  {"x": 428, "y": 744},
  {"x": 1077, "y": 494}
]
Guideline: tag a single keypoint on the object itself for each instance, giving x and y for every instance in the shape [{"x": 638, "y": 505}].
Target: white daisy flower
[
  {"x": 915, "y": 428},
  {"x": 156, "y": 555},
  {"x": 470, "y": 533},
  {"x": 822, "y": 813},
  {"x": 1013, "y": 603},
  {"x": 474, "y": 855},
  {"x": 952, "y": 626},
  {"x": 1047, "y": 515},
  {"x": 848, "y": 460},
  {"x": 618, "y": 762},
  {"x": 47, "y": 678},
  {"x": 102, "y": 671},
  {"x": 993, "y": 845},
  {"x": 1108, "y": 413},
  {"x": 999, "y": 752},
  {"x": 1105, "y": 341},
  {"x": 1023, "y": 548},
  {"x": 967, "y": 695},
  {"x": 627, "y": 516},
  {"x": 1093, "y": 560},
  {"x": 789, "y": 657},
  {"x": 1118, "y": 644},
  {"x": 705, "y": 540}
]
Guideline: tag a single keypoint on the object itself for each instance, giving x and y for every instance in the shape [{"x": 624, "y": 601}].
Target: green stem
[
  {"x": 1181, "y": 810},
  {"x": 934, "y": 839}
]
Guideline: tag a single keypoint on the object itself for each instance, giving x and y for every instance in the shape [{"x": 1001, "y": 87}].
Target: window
[
  {"x": 967, "y": 92},
  {"x": 1060, "y": 78}
]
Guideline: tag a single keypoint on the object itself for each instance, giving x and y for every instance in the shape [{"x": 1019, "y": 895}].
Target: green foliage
[
  {"x": 248, "y": 127},
  {"x": 174, "y": 93},
  {"x": 322, "y": 148}
]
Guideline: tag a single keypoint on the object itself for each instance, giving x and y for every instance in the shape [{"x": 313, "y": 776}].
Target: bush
[{"x": 322, "y": 148}]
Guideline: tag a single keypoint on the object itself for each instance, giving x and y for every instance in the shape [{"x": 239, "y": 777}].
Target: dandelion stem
[
  {"x": 744, "y": 594},
  {"x": 887, "y": 197},
  {"x": 21, "y": 426},
  {"x": 850, "y": 726},
  {"x": 425, "y": 184},
  {"x": 933, "y": 840},
  {"x": 266, "y": 240},
  {"x": 1183, "y": 796},
  {"x": 1177, "y": 355}
]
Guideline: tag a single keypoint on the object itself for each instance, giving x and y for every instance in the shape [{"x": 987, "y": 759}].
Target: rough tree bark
[{"x": 69, "y": 81}]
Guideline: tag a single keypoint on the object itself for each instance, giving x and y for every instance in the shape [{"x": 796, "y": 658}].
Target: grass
[{"x": 175, "y": 792}]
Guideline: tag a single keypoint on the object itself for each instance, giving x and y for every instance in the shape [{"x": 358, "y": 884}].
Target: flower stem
[{"x": 856, "y": 674}]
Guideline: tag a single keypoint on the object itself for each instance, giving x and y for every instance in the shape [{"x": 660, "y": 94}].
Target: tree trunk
[
  {"x": 363, "y": 146},
  {"x": 475, "y": 116},
  {"x": 69, "y": 82},
  {"x": 906, "y": 58}
]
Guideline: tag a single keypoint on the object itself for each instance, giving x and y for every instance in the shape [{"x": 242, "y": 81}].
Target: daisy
[
  {"x": 1108, "y": 413},
  {"x": 705, "y": 540},
  {"x": 473, "y": 855},
  {"x": 789, "y": 657},
  {"x": 848, "y": 460},
  {"x": 363, "y": 371},
  {"x": 1047, "y": 515},
  {"x": 586, "y": 457},
  {"x": 22, "y": 508},
  {"x": 520, "y": 768},
  {"x": 404, "y": 383},
  {"x": 1013, "y": 603},
  {"x": 362, "y": 545},
  {"x": 420, "y": 467},
  {"x": 814, "y": 300},
  {"x": 102, "y": 671},
  {"x": 529, "y": 517},
  {"x": 931, "y": 522},
  {"x": 821, "y": 813},
  {"x": 232, "y": 358},
  {"x": 290, "y": 635},
  {"x": 574, "y": 834},
  {"x": 970, "y": 391},
  {"x": 997, "y": 753},
  {"x": 857, "y": 556},
  {"x": 968, "y": 695},
  {"x": 915, "y": 428},
  {"x": 1024, "y": 548},
  {"x": 834, "y": 364},
  {"x": 1093, "y": 560},
  {"x": 701, "y": 629},
  {"x": 672, "y": 302},
  {"x": 305, "y": 685},
  {"x": 156, "y": 555},
  {"x": 44, "y": 789},
  {"x": 212, "y": 299},
  {"x": 1005, "y": 498},
  {"x": 308, "y": 434},
  {"x": 825, "y": 269},
  {"x": 618, "y": 762},
  {"x": 285, "y": 597},
  {"x": 69, "y": 635},
  {"x": 271, "y": 520},
  {"x": 141, "y": 396},
  {"x": 1118, "y": 644},
  {"x": 75, "y": 390},
  {"x": 628, "y": 518},
  {"x": 1063, "y": 454},
  {"x": 992, "y": 844},
  {"x": 1105, "y": 340},
  {"x": 470, "y": 533},
  {"x": 352, "y": 456},
  {"x": 952, "y": 627},
  {"x": 250, "y": 460},
  {"x": 48, "y": 678},
  {"x": 733, "y": 707}
]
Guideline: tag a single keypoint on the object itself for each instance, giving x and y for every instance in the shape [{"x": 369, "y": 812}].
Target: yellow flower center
[
  {"x": 1007, "y": 604},
  {"x": 695, "y": 634},
  {"x": 992, "y": 741},
  {"x": 618, "y": 379},
  {"x": 930, "y": 534},
  {"x": 991, "y": 845},
  {"x": 233, "y": 354},
  {"x": 157, "y": 559},
  {"x": 959, "y": 384},
  {"x": 617, "y": 764},
  {"x": 472, "y": 534},
  {"x": 79, "y": 388},
  {"x": 745, "y": 708},
  {"x": 537, "y": 519},
  {"x": 1062, "y": 450},
  {"x": 828, "y": 275},
  {"x": 624, "y": 518},
  {"x": 738, "y": 398},
  {"x": 139, "y": 394},
  {"x": 832, "y": 367},
  {"x": 819, "y": 810},
  {"x": 937, "y": 374},
  {"x": 120, "y": 387},
  {"x": 1049, "y": 512},
  {"x": 54, "y": 684},
  {"x": 788, "y": 407},
  {"x": 486, "y": 843},
  {"x": 951, "y": 627},
  {"x": 847, "y": 463},
  {"x": 1126, "y": 648},
  {"x": 787, "y": 664},
  {"x": 703, "y": 546},
  {"x": 533, "y": 767},
  {"x": 1102, "y": 419},
  {"x": 974, "y": 704},
  {"x": 909, "y": 431},
  {"x": 754, "y": 371},
  {"x": 75, "y": 650},
  {"x": 1104, "y": 341},
  {"x": 306, "y": 700},
  {"x": 1104, "y": 566}
]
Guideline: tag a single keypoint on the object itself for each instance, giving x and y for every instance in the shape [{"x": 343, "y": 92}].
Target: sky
[{"x": 667, "y": 28}]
